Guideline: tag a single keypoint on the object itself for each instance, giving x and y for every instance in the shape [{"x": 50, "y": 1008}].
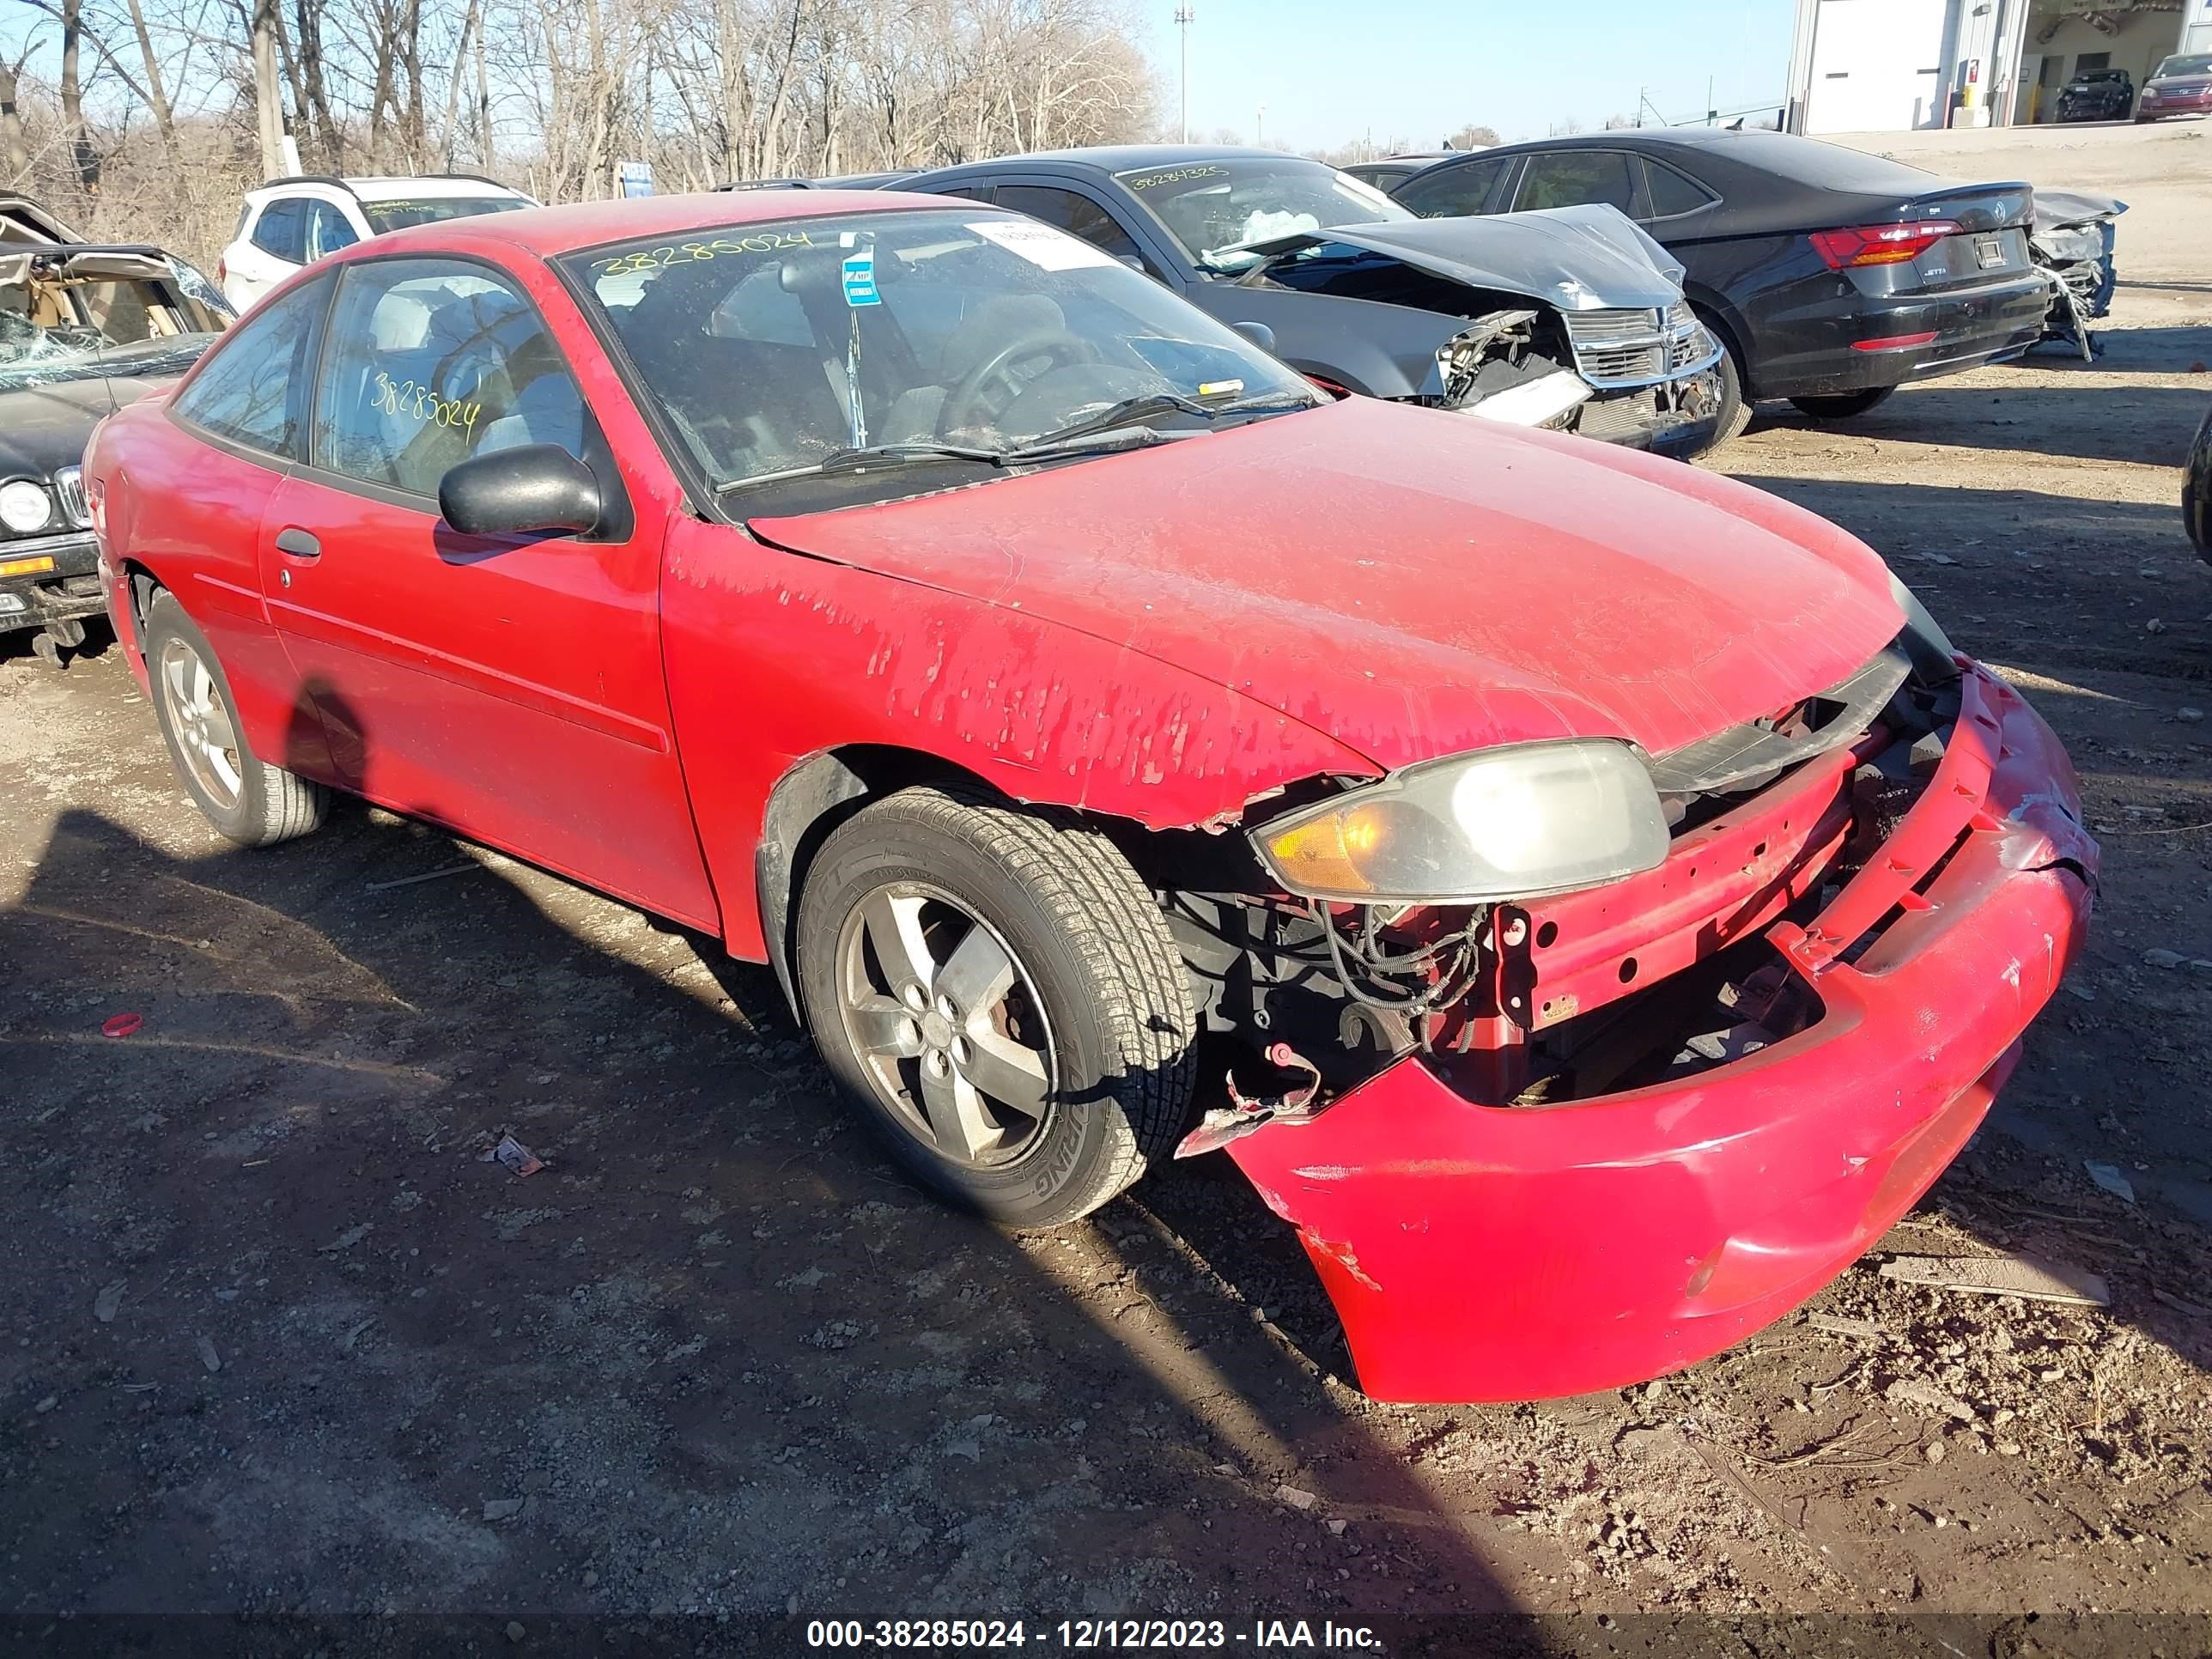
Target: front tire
[
  {"x": 999, "y": 993},
  {"x": 1845, "y": 405},
  {"x": 250, "y": 801}
]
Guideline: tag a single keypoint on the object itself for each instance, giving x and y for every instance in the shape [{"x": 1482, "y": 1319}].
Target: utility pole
[
  {"x": 268, "y": 110},
  {"x": 1259, "y": 127},
  {"x": 1184, "y": 18}
]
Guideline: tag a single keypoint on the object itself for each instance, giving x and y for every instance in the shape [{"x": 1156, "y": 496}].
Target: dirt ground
[{"x": 277, "y": 1338}]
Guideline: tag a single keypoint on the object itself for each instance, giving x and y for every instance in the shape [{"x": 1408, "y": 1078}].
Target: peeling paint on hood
[
  {"x": 1578, "y": 259},
  {"x": 1409, "y": 582}
]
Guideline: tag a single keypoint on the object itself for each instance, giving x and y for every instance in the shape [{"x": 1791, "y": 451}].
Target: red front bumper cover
[{"x": 1484, "y": 1253}]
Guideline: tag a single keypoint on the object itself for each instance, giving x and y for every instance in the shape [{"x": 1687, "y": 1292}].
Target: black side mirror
[
  {"x": 533, "y": 487},
  {"x": 1259, "y": 334}
]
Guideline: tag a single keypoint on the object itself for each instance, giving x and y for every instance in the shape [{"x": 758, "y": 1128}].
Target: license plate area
[{"x": 1989, "y": 251}]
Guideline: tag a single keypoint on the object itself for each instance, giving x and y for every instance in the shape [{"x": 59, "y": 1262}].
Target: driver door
[{"x": 510, "y": 688}]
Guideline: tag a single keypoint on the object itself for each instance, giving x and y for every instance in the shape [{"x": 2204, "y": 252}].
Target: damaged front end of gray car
[{"x": 1569, "y": 319}]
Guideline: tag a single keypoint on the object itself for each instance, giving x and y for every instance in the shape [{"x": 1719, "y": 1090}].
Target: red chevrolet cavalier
[{"x": 1587, "y": 897}]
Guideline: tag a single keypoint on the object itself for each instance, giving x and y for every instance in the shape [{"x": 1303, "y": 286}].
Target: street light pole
[{"x": 1184, "y": 18}]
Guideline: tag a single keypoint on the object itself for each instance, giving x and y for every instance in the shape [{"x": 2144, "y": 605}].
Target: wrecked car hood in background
[
  {"x": 1577, "y": 258},
  {"x": 1408, "y": 583},
  {"x": 2057, "y": 209}
]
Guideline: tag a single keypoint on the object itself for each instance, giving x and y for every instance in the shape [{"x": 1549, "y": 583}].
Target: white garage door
[{"x": 1877, "y": 66}]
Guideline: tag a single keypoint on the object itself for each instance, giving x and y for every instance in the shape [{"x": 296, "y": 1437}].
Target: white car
[{"x": 291, "y": 222}]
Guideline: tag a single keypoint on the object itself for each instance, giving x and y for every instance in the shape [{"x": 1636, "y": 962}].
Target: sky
[
  {"x": 1417, "y": 70},
  {"x": 1329, "y": 72}
]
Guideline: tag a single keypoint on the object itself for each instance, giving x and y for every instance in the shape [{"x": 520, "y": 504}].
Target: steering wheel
[{"x": 985, "y": 389}]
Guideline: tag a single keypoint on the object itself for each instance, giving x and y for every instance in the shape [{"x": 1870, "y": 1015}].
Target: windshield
[
  {"x": 1214, "y": 210},
  {"x": 401, "y": 215},
  {"x": 780, "y": 348},
  {"x": 66, "y": 316},
  {"x": 2194, "y": 62}
]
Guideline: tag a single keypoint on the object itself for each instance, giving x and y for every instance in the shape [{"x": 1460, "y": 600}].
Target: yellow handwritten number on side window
[{"x": 411, "y": 402}]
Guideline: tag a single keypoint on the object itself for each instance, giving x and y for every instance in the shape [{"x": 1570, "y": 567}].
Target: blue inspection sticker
[{"x": 860, "y": 269}]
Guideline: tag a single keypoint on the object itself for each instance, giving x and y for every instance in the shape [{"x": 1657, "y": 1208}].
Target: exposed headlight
[
  {"x": 1504, "y": 823},
  {"x": 1925, "y": 639},
  {"x": 25, "y": 507}
]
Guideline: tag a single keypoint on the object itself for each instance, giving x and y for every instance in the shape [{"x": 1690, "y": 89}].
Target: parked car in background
[
  {"x": 2197, "y": 491},
  {"x": 1387, "y": 174},
  {"x": 1573, "y": 320},
  {"x": 1832, "y": 277},
  {"x": 2182, "y": 85},
  {"x": 84, "y": 330},
  {"x": 2097, "y": 94},
  {"x": 1614, "y": 899},
  {"x": 291, "y": 222}
]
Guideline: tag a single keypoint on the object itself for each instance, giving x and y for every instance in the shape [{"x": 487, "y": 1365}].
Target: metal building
[{"x": 1890, "y": 65}]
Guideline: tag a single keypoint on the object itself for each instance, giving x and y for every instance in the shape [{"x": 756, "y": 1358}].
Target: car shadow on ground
[{"x": 297, "y": 1347}]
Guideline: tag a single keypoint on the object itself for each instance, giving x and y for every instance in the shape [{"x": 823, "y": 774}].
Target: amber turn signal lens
[{"x": 36, "y": 566}]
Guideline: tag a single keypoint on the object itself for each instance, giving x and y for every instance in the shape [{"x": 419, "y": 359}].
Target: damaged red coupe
[{"x": 1587, "y": 897}]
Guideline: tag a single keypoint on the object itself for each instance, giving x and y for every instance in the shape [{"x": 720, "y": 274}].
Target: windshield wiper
[
  {"x": 1131, "y": 411},
  {"x": 1058, "y": 445}
]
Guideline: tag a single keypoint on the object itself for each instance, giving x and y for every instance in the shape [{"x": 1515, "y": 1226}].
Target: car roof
[
  {"x": 550, "y": 232},
  {"x": 1803, "y": 162},
  {"x": 388, "y": 187},
  {"x": 1129, "y": 158}
]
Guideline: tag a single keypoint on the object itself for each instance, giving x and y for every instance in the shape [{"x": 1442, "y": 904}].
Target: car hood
[
  {"x": 1411, "y": 582},
  {"x": 44, "y": 427},
  {"x": 2178, "y": 82},
  {"x": 1577, "y": 258},
  {"x": 2055, "y": 208}
]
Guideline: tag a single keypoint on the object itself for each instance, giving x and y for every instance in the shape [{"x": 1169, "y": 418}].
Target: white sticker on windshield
[{"x": 1040, "y": 244}]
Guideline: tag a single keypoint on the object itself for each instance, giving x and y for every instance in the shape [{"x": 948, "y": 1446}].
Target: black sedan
[
  {"x": 2097, "y": 94},
  {"x": 1573, "y": 320},
  {"x": 1832, "y": 277}
]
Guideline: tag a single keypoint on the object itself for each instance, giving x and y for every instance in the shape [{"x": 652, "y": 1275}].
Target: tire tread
[{"x": 1084, "y": 882}]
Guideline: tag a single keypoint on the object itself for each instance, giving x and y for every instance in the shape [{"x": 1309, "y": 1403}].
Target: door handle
[{"x": 299, "y": 543}]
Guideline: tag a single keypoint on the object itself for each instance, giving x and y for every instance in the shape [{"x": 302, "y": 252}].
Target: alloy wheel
[
  {"x": 205, "y": 738},
  {"x": 947, "y": 1024}
]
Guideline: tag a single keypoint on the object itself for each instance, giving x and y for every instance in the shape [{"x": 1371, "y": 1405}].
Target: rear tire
[
  {"x": 998, "y": 992},
  {"x": 249, "y": 800},
  {"x": 1843, "y": 405}
]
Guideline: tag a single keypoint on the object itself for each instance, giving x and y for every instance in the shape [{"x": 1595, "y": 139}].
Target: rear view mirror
[
  {"x": 1259, "y": 334},
  {"x": 532, "y": 487}
]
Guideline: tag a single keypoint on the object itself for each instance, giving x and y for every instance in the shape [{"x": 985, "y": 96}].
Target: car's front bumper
[
  {"x": 60, "y": 584},
  {"x": 2155, "y": 103},
  {"x": 1487, "y": 1253}
]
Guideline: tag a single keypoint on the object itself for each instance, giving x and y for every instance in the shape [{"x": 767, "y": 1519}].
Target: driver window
[
  {"x": 430, "y": 361},
  {"x": 1079, "y": 216}
]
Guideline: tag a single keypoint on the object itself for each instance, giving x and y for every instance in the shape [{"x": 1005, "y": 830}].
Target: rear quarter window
[{"x": 1672, "y": 192}]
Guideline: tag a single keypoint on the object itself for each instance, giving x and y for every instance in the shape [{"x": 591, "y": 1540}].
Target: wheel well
[
  {"x": 822, "y": 792},
  {"x": 143, "y": 585},
  {"x": 808, "y": 802},
  {"x": 1715, "y": 316}
]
